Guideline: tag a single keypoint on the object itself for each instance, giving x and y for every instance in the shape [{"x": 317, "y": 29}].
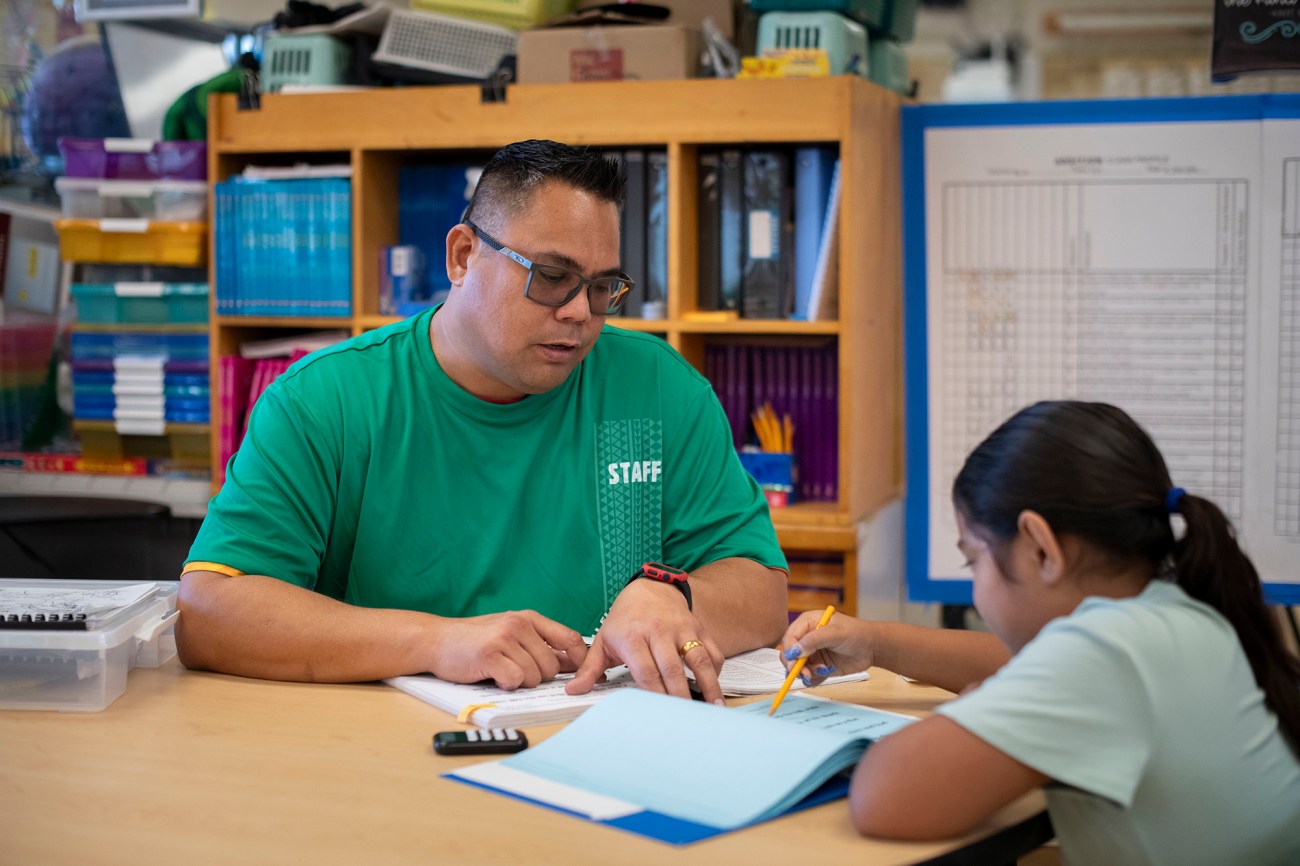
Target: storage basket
[
  {"x": 307, "y": 59},
  {"x": 515, "y": 14},
  {"x": 84, "y": 671},
  {"x": 186, "y": 444},
  {"x": 167, "y": 200},
  {"x": 134, "y": 158},
  {"x": 141, "y": 303},
  {"x": 441, "y": 43},
  {"x": 888, "y": 66},
  {"x": 869, "y": 12},
  {"x": 900, "y": 19},
  {"x": 108, "y": 345},
  {"x": 844, "y": 41},
  {"x": 163, "y": 243}
]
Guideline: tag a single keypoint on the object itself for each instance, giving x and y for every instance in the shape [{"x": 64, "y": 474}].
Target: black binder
[
  {"x": 634, "y": 230},
  {"x": 766, "y": 289},
  {"x": 708, "y": 219}
]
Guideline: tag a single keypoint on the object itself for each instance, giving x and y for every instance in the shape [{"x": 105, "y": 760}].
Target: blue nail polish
[
  {"x": 793, "y": 653},
  {"x": 824, "y": 670}
]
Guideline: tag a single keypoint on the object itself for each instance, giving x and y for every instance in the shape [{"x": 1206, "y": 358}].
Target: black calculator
[{"x": 479, "y": 741}]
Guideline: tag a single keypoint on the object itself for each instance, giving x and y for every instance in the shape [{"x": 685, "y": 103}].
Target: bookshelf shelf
[
  {"x": 380, "y": 131},
  {"x": 758, "y": 326},
  {"x": 322, "y": 323}
]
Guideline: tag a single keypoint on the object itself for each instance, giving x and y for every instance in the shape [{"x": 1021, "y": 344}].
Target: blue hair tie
[{"x": 1173, "y": 499}]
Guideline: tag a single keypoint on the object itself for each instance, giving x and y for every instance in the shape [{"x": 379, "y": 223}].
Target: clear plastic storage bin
[
  {"x": 82, "y": 670},
  {"x": 166, "y": 200}
]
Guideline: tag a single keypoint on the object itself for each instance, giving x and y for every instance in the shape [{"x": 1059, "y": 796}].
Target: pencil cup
[{"x": 775, "y": 474}]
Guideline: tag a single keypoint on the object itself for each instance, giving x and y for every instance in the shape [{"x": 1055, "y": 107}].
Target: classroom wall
[{"x": 1163, "y": 62}]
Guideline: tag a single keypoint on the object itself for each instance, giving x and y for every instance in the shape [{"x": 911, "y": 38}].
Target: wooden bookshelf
[{"x": 379, "y": 131}]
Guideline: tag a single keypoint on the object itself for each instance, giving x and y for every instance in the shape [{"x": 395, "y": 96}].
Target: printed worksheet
[{"x": 29, "y": 600}]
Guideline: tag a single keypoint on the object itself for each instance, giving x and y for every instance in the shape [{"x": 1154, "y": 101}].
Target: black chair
[{"x": 86, "y": 537}]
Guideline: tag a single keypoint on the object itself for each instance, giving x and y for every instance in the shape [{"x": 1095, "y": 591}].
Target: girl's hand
[{"x": 842, "y": 646}]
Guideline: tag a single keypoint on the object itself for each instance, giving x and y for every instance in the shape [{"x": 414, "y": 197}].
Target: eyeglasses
[{"x": 554, "y": 286}]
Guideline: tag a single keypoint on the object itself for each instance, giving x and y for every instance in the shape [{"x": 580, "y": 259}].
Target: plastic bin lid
[
  {"x": 117, "y": 187},
  {"x": 143, "y": 618},
  {"x": 138, "y": 290}
]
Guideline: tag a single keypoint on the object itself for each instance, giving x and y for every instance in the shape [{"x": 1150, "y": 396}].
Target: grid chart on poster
[
  {"x": 1048, "y": 293},
  {"x": 1286, "y": 509}
]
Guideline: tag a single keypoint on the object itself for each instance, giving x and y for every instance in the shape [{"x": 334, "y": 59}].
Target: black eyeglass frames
[{"x": 555, "y": 286}]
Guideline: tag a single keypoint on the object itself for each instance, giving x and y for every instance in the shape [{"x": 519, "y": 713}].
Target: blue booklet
[{"x": 627, "y": 763}]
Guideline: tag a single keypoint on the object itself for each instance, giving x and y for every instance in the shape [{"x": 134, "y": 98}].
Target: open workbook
[
  {"x": 681, "y": 771},
  {"x": 757, "y": 672}
]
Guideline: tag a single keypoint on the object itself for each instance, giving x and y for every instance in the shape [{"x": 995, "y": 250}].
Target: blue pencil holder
[{"x": 775, "y": 474}]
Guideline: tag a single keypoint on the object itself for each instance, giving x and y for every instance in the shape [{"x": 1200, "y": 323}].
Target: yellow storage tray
[
  {"x": 162, "y": 243},
  {"x": 515, "y": 14},
  {"x": 186, "y": 444}
]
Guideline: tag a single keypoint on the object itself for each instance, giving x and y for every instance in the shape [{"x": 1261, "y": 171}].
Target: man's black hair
[{"x": 516, "y": 171}]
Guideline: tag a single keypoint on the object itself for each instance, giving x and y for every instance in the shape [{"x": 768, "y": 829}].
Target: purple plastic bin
[
  {"x": 127, "y": 159},
  {"x": 181, "y": 160}
]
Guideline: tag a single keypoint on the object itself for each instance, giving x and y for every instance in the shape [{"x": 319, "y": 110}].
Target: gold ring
[{"x": 688, "y": 646}]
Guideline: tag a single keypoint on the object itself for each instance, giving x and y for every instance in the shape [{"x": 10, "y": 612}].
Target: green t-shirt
[{"x": 370, "y": 476}]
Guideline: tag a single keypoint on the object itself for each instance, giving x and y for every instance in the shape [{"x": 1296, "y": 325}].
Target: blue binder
[{"x": 814, "y": 167}]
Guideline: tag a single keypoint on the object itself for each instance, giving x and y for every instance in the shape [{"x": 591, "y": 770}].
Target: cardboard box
[
  {"x": 683, "y": 13},
  {"x": 631, "y": 53}
]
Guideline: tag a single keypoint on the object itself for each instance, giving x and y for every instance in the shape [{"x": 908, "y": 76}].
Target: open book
[
  {"x": 758, "y": 672},
  {"x": 490, "y": 707},
  {"x": 681, "y": 771}
]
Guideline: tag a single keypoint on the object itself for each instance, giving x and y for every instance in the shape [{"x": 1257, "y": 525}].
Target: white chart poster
[{"x": 1145, "y": 254}]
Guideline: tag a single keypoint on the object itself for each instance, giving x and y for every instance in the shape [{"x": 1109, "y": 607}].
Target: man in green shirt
[{"x": 470, "y": 491}]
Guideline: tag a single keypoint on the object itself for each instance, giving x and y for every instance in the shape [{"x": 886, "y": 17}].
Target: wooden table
[{"x": 201, "y": 768}]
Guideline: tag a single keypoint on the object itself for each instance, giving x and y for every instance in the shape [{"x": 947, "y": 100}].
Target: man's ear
[
  {"x": 1042, "y": 546},
  {"x": 460, "y": 243}
]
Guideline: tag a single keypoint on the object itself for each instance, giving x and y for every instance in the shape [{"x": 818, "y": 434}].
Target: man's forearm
[
  {"x": 741, "y": 602},
  {"x": 258, "y": 626}
]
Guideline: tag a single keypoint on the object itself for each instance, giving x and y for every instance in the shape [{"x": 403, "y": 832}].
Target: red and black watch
[{"x": 666, "y": 574}]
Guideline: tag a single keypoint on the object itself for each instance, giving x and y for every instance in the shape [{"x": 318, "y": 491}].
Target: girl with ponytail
[{"x": 1132, "y": 670}]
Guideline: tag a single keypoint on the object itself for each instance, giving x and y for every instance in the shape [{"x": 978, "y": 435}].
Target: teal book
[{"x": 736, "y": 768}]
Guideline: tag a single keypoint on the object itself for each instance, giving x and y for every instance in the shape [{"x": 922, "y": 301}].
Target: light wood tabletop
[{"x": 200, "y": 768}]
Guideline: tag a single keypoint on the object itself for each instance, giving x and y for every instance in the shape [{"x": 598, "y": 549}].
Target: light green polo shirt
[{"x": 1145, "y": 712}]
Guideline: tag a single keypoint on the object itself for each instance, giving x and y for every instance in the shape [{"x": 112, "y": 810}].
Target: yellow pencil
[{"x": 798, "y": 665}]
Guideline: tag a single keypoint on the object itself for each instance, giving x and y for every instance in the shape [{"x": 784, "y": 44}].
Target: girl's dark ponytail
[
  {"x": 1092, "y": 472},
  {"x": 1211, "y": 567}
]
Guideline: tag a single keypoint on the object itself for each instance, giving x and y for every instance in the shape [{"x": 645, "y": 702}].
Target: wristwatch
[{"x": 666, "y": 574}]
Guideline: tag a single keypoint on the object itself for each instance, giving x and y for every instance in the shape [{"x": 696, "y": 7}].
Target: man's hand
[
  {"x": 645, "y": 630},
  {"x": 514, "y": 649}
]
